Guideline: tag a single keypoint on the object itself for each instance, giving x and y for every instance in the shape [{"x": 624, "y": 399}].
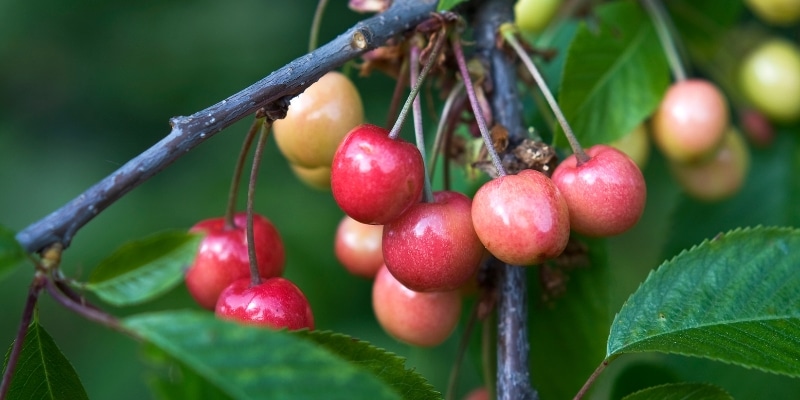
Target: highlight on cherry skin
[
  {"x": 691, "y": 120},
  {"x": 359, "y": 247},
  {"x": 374, "y": 178},
  {"x": 605, "y": 195},
  {"x": 433, "y": 246},
  {"x": 223, "y": 258},
  {"x": 521, "y": 219},
  {"x": 317, "y": 120},
  {"x": 274, "y": 303},
  {"x": 720, "y": 177},
  {"x": 422, "y": 319}
]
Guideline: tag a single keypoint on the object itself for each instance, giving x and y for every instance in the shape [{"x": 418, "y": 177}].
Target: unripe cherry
[
  {"x": 521, "y": 219},
  {"x": 691, "y": 120},
  {"x": 359, "y": 247},
  {"x": 417, "y": 318}
]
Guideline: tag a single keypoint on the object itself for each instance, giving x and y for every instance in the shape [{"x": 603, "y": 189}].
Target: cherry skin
[
  {"x": 691, "y": 120},
  {"x": 416, "y": 318},
  {"x": 605, "y": 195},
  {"x": 317, "y": 178},
  {"x": 358, "y": 247},
  {"x": 481, "y": 393},
  {"x": 521, "y": 219},
  {"x": 222, "y": 257},
  {"x": 770, "y": 79},
  {"x": 757, "y": 127},
  {"x": 720, "y": 177},
  {"x": 776, "y": 12},
  {"x": 275, "y": 303},
  {"x": 534, "y": 15},
  {"x": 433, "y": 246},
  {"x": 317, "y": 121},
  {"x": 374, "y": 178}
]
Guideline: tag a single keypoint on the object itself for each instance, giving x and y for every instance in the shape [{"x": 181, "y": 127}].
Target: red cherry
[
  {"x": 481, "y": 393},
  {"x": 420, "y": 319},
  {"x": 691, "y": 120},
  {"x": 521, "y": 219},
  {"x": 222, "y": 257},
  {"x": 374, "y": 178},
  {"x": 358, "y": 247},
  {"x": 433, "y": 246},
  {"x": 605, "y": 195},
  {"x": 276, "y": 303}
]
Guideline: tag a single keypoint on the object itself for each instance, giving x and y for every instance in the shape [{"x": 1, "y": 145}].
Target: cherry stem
[
  {"x": 508, "y": 31},
  {"x": 398, "y": 91},
  {"x": 255, "y": 276},
  {"x": 444, "y": 124},
  {"x": 592, "y": 378},
  {"x": 230, "y": 211},
  {"x": 315, "y": 24},
  {"x": 476, "y": 107},
  {"x": 398, "y": 124},
  {"x": 418, "y": 129},
  {"x": 88, "y": 312},
  {"x": 24, "y": 323},
  {"x": 663, "y": 25},
  {"x": 462, "y": 350}
]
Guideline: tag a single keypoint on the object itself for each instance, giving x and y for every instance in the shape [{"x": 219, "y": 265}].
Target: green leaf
[
  {"x": 769, "y": 197},
  {"x": 446, "y": 5},
  {"x": 569, "y": 329},
  {"x": 386, "y": 366},
  {"x": 42, "y": 371},
  {"x": 249, "y": 362},
  {"x": 11, "y": 253},
  {"x": 143, "y": 269},
  {"x": 614, "y": 77},
  {"x": 732, "y": 299},
  {"x": 681, "y": 391},
  {"x": 170, "y": 379}
]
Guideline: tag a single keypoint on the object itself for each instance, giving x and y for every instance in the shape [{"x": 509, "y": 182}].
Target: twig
[
  {"x": 24, "y": 323},
  {"x": 588, "y": 384},
  {"x": 189, "y": 131},
  {"x": 513, "y": 374}
]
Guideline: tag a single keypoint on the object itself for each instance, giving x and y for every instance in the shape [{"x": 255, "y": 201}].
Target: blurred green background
[{"x": 87, "y": 85}]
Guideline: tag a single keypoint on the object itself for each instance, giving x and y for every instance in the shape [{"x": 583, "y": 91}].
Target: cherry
[
  {"x": 374, "y": 178},
  {"x": 481, "y": 393},
  {"x": 317, "y": 178},
  {"x": 605, "y": 195},
  {"x": 691, "y": 120},
  {"x": 222, "y": 257},
  {"x": 776, "y": 12},
  {"x": 433, "y": 246},
  {"x": 521, "y": 219},
  {"x": 720, "y": 177},
  {"x": 757, "y": 127},
  {"x": 275, "y": 303},
  {"x": 417, "y": 318},
  {"x": 358, "y": 247},
  {"x": 534, "y": 15},
  {"x": 636, "y": 144},
  {"x": 317, "y": 120},
  {"x": 770, "y": 79}
]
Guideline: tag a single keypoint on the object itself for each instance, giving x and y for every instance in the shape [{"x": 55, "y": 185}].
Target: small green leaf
[
  {"x": 143, "y": 269},
  {"x": 248, "y": 362},
  {"x": 11, "y": 253},
  {"x": 732, "y": 299},
  {"x": 566, "y": 352},
  {"x": 681, "y": 391},
  {"x": 42, "y": 370},
  {"x": 447, "y": 5},
  {"x": 614, "y": 77},
  {"x": 170, "y": 379}
]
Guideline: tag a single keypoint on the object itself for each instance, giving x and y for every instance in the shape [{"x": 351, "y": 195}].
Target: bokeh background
[{"x": 87, "y": 85}]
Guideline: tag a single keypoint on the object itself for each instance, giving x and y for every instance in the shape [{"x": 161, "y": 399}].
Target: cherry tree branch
[
  {"x": 272, "y": 92},
  {"x": 513, "y": 375}
]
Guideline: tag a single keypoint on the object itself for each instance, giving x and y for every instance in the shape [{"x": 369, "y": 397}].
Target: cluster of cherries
[{"x": 220, "y": 278}]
